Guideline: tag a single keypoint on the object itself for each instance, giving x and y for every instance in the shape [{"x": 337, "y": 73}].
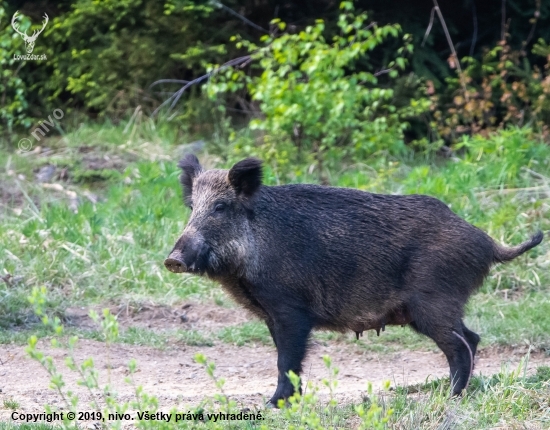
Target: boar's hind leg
[
  {"x": 290, "y": 332},
  {"x": 450, "y": 339},
  {"x": 471, "y": 337}
]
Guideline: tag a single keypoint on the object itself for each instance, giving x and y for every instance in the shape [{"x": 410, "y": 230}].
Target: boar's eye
[{"x": 220, "y": 207}]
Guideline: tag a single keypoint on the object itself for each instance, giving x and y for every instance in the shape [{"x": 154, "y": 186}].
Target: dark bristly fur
[{"x": 303, "y": 257}]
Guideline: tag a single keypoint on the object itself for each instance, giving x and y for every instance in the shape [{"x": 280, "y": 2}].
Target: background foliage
[
  {"x": 103, "y": 56},
  {"x": 312, "y": 108}
]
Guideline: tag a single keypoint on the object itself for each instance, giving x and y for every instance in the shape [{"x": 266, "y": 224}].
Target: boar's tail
[{"x": 504, "y": 253}]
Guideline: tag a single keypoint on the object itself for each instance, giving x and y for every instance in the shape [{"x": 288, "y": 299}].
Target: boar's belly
[{"x": 396, "y": 316}]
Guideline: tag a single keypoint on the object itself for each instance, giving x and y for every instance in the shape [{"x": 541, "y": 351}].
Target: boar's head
[{"x": 217, "y": 237}]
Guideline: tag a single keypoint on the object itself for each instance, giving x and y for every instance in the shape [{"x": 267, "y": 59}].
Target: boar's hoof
[
  {"x": 175, "y": 265},
  {"x": 274, "y": 404}
]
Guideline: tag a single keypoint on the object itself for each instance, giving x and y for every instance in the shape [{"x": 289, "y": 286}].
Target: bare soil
[
  {"x": 198, "y": 316},
  {"x": 250, "y": 372}
]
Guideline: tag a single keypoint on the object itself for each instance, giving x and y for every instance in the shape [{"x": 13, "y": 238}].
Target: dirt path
[{"x": 250, "y": 373}]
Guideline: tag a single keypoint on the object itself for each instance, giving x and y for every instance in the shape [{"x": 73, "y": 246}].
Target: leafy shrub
[
  {"x": 503, "y": 89},
  {"x": 103, "y": 56},
  {"x": 318, "y": 103},
  {"x": 106, "y": 53}
]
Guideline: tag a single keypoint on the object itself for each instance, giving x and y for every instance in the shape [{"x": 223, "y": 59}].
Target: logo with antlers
[{"x": 29, "y": 40}]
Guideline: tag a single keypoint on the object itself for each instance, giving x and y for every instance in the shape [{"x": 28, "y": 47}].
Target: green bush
[
  {"x": 101, "y": 58},
  {"x": 105, "y": 54},
  {"x": 317, "y": 105}
]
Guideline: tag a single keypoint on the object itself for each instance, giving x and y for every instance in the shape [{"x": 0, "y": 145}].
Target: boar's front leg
[
  {"x": 270, "y": 326},
  {"x": 290, "y": 329}
]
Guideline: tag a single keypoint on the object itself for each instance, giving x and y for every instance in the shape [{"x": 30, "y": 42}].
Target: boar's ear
[
  {"x": 190, "y": 167},
  {"x": 246, "y": 177}
]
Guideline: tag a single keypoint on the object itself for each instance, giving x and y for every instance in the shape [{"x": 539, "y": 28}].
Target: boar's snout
[
  {"x": 174, "y": 263},
  {"x": 189, "y": 255}
]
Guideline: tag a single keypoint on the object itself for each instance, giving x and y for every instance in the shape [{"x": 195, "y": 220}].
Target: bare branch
[
  {"x": 242, "y": 18},
  {"x": 168, "y": 81},
  {"x": 535, "y": 19},
  {"x": 383, "y": 72},
  {"x": 429, "y": 29},
  {"x": 503, "y": 20},
  {"x": 450, "y": 42},
  {"x": 474, "y": 36},
  {"x": 174, "y": 98}
]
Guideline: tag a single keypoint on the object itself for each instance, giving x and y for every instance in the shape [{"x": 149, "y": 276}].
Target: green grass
[
  {"x": 110, "y": 252},
  {"x": 522, "y": 321},
  {"x": 160, "y": 339},
  {"x": 250, "y": 332},
  {"x": 509, "y": 398}
]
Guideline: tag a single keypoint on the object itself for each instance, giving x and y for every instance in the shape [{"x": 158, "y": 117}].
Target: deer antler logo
[{"x": 29, "y": 40}]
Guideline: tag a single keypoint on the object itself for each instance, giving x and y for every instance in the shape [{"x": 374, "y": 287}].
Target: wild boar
[{"x": 305, "y": 257}]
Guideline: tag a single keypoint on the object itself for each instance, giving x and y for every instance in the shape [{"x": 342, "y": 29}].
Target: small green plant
[
  {"x": 331, "y": 383},
  {"x": 11, "y": 404},
  {"x": 229, "y": 404},
  {"x": 300, "y": 410},
  {"x": 374, "y": 416}
]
